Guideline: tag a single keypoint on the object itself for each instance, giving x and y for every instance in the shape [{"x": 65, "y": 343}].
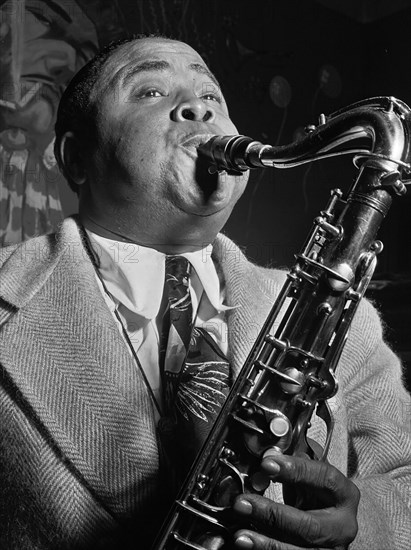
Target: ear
[{"x": 72, "y": 158}]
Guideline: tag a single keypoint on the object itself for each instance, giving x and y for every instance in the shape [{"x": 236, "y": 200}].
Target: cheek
[
  {"x": 128, "y": 154},
  {"x": 144, "y": 146},
  {"x": 174, "y": 177},
  {"x": 227, "y": 124},
  {"x": 237, "y": 184}
]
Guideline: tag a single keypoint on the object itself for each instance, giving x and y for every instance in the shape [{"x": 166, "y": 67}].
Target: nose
[{"x": 193, "y": 109}]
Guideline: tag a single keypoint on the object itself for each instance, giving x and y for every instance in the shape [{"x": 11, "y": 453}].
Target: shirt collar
[{"x": 134, "y": 274}]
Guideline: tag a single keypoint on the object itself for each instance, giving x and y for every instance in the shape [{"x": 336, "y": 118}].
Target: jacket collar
[
  {"x": 28, "y": 266},
  {"x": 249, "y": 290}
]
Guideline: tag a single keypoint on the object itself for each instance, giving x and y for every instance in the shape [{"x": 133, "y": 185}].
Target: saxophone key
[
  {"x": 280, "y": 425},
  {"x": 316, "y": 382},
  {"x": 292, "y": 381}
]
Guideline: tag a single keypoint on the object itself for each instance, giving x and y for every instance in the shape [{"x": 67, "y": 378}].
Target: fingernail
[
  {"x": 243, "y": 506},
  {"x": 270, "y": 466},
  {"x": 244, "y": 542}
]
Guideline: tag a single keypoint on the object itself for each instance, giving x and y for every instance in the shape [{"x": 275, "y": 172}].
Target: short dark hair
[{"x": 76, "y": 109}]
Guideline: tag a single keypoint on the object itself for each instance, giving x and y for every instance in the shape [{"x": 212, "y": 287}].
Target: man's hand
[{"x": 327, "y": 513}]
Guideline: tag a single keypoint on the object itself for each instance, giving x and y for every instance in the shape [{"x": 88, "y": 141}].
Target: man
[{"x": 83, "y": 466}]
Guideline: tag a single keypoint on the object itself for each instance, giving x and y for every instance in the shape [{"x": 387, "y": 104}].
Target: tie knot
[{"x": 177, "y": 271}]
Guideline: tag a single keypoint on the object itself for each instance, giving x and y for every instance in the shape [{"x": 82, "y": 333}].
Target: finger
[
  {"x": 284, "y": 522},
  {"x": 310, "y": 473},
  {"x": 248, "y": 540}
]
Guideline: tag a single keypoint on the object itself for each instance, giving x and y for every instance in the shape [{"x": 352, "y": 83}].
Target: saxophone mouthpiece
[{"x": 227, "y": 153}]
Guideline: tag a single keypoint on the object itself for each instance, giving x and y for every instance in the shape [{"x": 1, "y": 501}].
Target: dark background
[{"x": 327, "y": 54}]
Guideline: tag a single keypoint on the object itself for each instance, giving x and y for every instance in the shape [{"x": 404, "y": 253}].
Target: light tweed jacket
[{"x": 78, "y": 450}]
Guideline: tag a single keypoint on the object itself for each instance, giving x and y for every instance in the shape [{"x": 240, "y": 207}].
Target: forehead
[
  {"x": 153, "y": 47},
  {"x": 152, "y": 54}
]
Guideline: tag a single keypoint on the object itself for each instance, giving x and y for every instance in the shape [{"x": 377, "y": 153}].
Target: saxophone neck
[{"x": 384, "y": 121}]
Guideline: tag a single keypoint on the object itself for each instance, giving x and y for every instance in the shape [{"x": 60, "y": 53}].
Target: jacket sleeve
[{"x": 379, "y": 431}]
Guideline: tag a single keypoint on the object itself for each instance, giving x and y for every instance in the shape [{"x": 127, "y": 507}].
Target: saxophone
[{"x": 290, "y": 374}]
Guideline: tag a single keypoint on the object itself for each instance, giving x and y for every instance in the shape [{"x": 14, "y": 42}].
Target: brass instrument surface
[{"x": 290, "y": 372}]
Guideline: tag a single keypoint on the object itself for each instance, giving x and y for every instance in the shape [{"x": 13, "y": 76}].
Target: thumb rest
[{"x": 289, "y": 373}]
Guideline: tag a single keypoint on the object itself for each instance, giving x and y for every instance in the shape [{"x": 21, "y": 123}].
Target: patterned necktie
[
  {"x": 177, "y": 325},
  {"x": 195, "y": 372}
]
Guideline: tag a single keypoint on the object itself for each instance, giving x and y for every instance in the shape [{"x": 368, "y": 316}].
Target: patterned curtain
[{"x": 43, "y": 44}]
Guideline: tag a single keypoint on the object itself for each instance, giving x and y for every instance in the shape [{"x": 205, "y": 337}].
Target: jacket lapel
[
  {"x": 80, "y": 381},
  {"x": 252, "y": 291}
]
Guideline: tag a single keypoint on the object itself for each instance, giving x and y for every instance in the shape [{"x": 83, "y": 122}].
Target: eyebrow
[
  {"x": 126, "y": 74},
  {"x": 201, "y": 69}
]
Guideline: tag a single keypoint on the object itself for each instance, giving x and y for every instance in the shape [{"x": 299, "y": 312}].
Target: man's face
[{"x": 156, "y": 102}]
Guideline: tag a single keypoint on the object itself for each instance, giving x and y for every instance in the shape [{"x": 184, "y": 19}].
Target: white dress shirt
[{"x": 134, "y": 278}]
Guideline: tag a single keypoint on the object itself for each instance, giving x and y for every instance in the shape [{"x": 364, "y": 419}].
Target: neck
[{"x": 172, "y": 243}]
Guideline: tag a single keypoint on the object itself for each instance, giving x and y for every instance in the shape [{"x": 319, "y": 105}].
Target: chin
[{"x": 218, "y": 204}]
